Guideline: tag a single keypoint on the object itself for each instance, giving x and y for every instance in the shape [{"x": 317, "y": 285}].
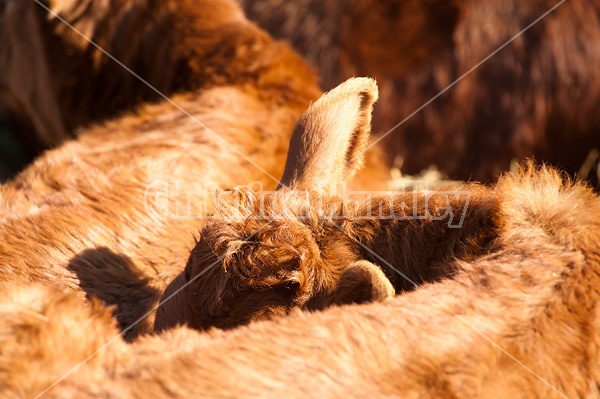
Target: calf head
[{"x": 268, "y": 254}]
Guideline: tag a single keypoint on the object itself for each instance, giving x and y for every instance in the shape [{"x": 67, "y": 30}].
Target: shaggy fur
[
  {"x": 267, "y": 253},
  {"x": 522, "y": 322},
  {"x": 536, "y": 98},
  {"x": 250, "y": 267},
  {"x": 90, "y": 215}
]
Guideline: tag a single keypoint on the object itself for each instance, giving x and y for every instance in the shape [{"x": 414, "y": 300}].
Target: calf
[{"x": 272, "y": 252}]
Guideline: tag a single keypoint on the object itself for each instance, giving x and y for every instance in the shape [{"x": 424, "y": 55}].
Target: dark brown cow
[{"x": 535, "y": 98}]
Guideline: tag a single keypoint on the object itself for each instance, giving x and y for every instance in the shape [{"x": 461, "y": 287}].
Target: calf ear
[
  {"x": 362, "y": 282},
  {"x": 329, "y": 140}
]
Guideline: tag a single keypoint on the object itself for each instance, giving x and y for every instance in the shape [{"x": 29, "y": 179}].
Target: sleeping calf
[{"x": 265, "y": 254}]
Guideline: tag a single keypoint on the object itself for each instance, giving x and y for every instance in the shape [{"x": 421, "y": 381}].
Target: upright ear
[
  {"x": 362, "y": 282},
  {"x": 329, "y": 140}
]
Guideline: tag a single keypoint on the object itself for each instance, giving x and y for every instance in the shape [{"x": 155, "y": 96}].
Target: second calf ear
[
  {"x": 329, "y": 140},
  {"x": 362, "y": 282}
]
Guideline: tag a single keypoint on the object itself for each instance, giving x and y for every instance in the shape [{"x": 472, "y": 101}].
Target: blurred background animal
[{"x": 537, "y": 97}]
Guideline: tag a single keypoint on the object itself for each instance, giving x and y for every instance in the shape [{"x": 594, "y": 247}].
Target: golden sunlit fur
[{"x": 521, "y": 322}]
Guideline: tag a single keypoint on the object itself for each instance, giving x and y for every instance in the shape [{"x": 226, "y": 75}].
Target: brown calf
[{"x": 295, "y": 248}]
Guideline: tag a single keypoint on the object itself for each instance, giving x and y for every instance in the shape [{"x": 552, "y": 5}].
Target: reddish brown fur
[
  {"x": 268, "y": 259},
  {"x": 536, "y": 98},
  {"x": 522, "y": 322},
  {"x": 76, "y": 217}
]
